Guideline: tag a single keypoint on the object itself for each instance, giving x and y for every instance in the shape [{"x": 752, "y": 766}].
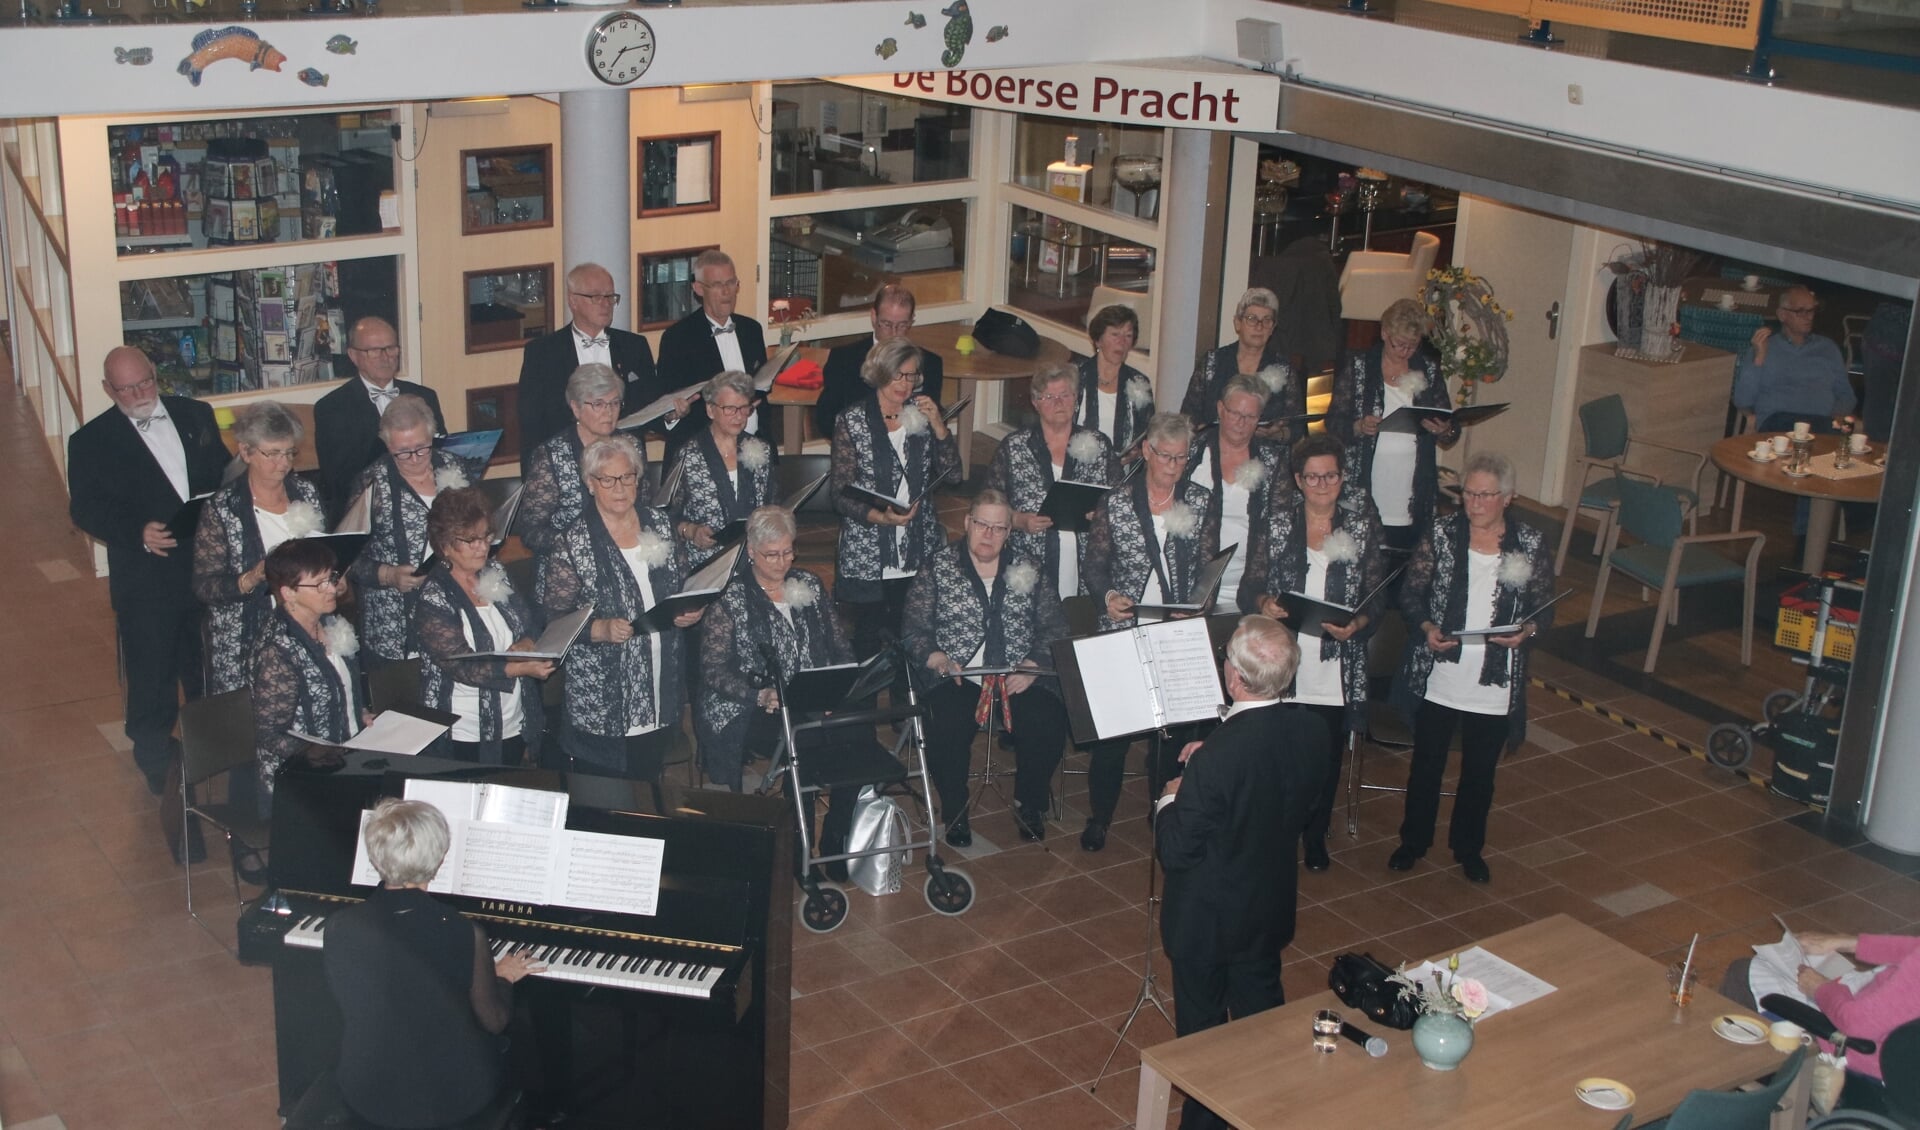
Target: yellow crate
[{"x": 1794, "y": 631}]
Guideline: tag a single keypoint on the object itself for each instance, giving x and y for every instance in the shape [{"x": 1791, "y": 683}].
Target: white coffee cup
[
  {"x": 1802, "y": 430},
  {"x": 1763, "y": 450},
  {"x": 1785, "y": 1035},
  {"x": 1857, "y": 443},
  {"x": 1779, "y": 445}
]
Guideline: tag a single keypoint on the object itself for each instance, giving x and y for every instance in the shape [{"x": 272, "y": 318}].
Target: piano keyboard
[{"x": 572, "y": 963}]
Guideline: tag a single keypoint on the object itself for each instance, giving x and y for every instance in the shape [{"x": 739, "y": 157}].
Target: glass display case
[
  {"x": 1063, "y": 271},
  {"x": 507, "y": 189},
  {"x": 1116, "y": 167},
  {"x": 679, "y": 174},
  {"x": 507, "y": 307},
  {"x": 827, "y": 136},
  {"x": 826, "y": 263},
  {"x": 666, "y": 286}
]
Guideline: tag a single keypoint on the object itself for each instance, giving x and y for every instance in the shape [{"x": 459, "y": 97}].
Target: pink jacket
[{"x": 1891, "y": 1000}]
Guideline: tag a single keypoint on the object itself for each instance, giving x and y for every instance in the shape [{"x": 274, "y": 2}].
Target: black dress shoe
[
  {"x": 1317, "y": 858},
  {"x": 960, "y": 832},
  {"x": 1094, "y": 836},
  {"x": 1403, "y": 858},
  {"x": 1474, "y": 868},
  {"x": 1032, "y": 825}
]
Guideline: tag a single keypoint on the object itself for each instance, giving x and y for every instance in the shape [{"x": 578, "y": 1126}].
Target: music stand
[
  {"x": 988, "y": 775},
  {"x": 1149, "y": 993}
]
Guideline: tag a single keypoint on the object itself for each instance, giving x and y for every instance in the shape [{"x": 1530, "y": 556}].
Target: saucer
[
  {"x": 1767, "y": 458},
  {"x": 1606, "y": 1094},
  {"x": 1795, "y": 474},
  {"x": 1738, "y": 1028}
]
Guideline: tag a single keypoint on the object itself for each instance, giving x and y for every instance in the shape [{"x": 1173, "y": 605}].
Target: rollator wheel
[
  {"x": 1729, "y": 746},
  {"x": 949, "y": 891},
  {"x": 1778, "y": 703},
  {"x": 824, "y": 910}
]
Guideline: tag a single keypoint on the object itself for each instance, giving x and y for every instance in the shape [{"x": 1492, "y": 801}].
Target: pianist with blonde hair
[{"x": 422, "y": 1002}]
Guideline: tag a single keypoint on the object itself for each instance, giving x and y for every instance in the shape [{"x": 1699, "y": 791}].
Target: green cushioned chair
[
  {"x": 1667, "y": 561},
  {"x": 1609, "y": 444},
  {"x": 1758, "y": 1109}
]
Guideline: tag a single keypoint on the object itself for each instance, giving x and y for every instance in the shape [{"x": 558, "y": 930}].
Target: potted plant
[
  {"x": 1448, "y": 1005},
  {"x": 1647, "y": 298}
]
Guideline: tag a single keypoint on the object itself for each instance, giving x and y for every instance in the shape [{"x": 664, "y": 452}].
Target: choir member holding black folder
[
  {"x": 306, "y": 669},
  {"x": 1241, "y": 469},
  {"x": 131, "y": 471},
  {"x": 399, "y": 486},
  {"x": 1116, "y": 399},
  {"x": 1053, "y": 474},
  {"x": 724, "y": 475},
  {"x": 552, "y": 497},
  {"x": 1315, "y": 563}
]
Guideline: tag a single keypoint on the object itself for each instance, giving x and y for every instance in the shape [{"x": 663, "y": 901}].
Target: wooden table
[
  {"x": 965, "y": 372},
  {"x": 794, "y": 402},
  {"x": 1824, "y": 496},
  {"x": 1674, "y": 403},
  {"x": 1610, "y": 1015}
]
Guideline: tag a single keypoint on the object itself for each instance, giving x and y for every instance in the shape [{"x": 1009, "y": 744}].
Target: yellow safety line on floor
[{"x": 1658, "y": 735}]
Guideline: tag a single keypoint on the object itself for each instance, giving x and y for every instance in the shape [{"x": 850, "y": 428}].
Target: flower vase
[
  {"x": 1661, "y": 308},
  {"x": 1442, "y": 1040}
]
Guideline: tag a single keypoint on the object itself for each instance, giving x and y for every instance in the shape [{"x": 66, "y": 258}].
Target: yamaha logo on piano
[{"x": 506, "y": 907}]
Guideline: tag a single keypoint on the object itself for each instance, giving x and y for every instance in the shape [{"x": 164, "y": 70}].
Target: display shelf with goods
[
  {"x": 1061, "y": 268},
  {"x": 832, "y": 263},
  {"x": 666, "y": 286},
  {"x": 678, "y": 174},
  {"x": 507, "y": 189},
  {"x": 827, "y": 136},
  {"x": 1120, "y": 165},
  {"x": 33, "y": 225},
  {"x": 507, "y": 307}
]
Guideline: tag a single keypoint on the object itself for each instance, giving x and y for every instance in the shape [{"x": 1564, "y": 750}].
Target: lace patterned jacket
[
  {"x": 746, "y": 645},
  {"x": 1134, "y": 404},
  {"x": 444, "y": 620},
  {"x": 1218, "y": 366},
  {"x": 295, "y": 687},
  {"x": 950, "y": 609},
  {"x": 610, "y": 685},
  {"x": 1120, "y": 550},
  {"x": 1022, "y": 469},
  {"x": 711, "y": 497},
  {"x": 226, "y": 545},
  {"x": 1268, "y": 468},
  {"x": 397, "y": 519},
  {"x": 1435, "y": 589},
  {"x": 1277, "y": 563},
  {"x": 552, "y": 495},
  {"x": 863, "y": 456},
  {"x": 1360, "y": 389}
]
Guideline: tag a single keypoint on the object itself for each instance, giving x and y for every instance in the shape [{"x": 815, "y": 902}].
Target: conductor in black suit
[
  {"x": 128, "y": 471},
  {"x": 713, "y": 340},
  {"x": 590, "y": 338},
  {"x": 346, "y": 421},
  {"x": 1227, "y": 832},
  {"x": 892, "y": 316}
]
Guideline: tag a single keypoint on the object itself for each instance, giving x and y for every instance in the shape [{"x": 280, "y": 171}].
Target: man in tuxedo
[
  {"x": 714, "y": 339},
  {"x": 892, "y": 317},
  {"x": 129, "y": 469},
  {"x": 1227, "y": 831},
  {"x": 548, "y": 361},
  {"x": 346, "y": 421}
]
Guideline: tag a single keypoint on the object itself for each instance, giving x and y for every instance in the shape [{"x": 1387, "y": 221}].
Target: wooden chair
[
  {"x": 1669, "y": 562},
  {"x": 1609, "y": 444}
]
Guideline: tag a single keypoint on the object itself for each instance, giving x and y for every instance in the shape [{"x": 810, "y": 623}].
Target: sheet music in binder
[{"x": 1139, "y": 679}]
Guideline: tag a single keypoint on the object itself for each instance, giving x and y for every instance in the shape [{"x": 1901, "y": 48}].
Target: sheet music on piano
[{"x": 496, "y": 804}]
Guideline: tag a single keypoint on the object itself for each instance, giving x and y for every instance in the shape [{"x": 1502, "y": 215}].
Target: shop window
[
  {"x": 1103, "y": 164},
  {"x": 1063, "y": 272},
  {"x": 666, "y": 286},
  {"x": 827, "y": 137},
  {"x": 827, "y": 263},
  {"x": 507, "y": 189},
  {"x": 679, "y": 174},
  {"x": 507, "y": 307}
]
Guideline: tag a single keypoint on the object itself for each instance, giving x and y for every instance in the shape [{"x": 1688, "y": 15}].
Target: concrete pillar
[
  {"x": 1892, "y": 756},
  {"x": 1181, "y": 274},
  {"x": 596, "y": 174}
]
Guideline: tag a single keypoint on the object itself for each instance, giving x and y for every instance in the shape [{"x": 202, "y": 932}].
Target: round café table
[
  {"x": 1824, "y": 495},
  {"x": 965, "y": 371}
]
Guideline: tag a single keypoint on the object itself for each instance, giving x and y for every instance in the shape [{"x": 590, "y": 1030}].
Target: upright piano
[{"x": 674, "y": 1020}]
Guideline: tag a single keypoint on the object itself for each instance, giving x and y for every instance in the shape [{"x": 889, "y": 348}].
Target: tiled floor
[{"x": 120, "y": 1012}]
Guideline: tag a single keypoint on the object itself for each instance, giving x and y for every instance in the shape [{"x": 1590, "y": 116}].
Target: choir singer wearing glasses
[
  {"x": 467, "y": 604},
  {"x": 725, "y": 475},
  {"x": 306, "y": 674},
  {"x": 1148, "y": 542},
  {"x": 1319, "y": 544},
  {"x": 404, "y": 483},
  {"x": 1475, "y": 569},
  {"x": 1240, "y": 470},
  {"x": 625, "y": 685},
  {"x": 974, "y": 606},
  {"x": 1032, "y": 459},
  {"x": 239, "y": 526},
  {"x": 1253, "y": 353},
  {"x": 552, "y": 498}
]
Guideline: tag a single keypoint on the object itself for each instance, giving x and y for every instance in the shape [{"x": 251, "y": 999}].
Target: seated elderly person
[
  {"x": 625, "y": 683},
  {"x": 403, "y": 482},
  {"x": 305, "y": 674},
  {"x": 724, "y": 475},
  {"x": 1795, "y": 374},
  {"x": 552, "y": 497},
  {"x": 422, "y": 1002},
  {"x": 467, "y": 604}
]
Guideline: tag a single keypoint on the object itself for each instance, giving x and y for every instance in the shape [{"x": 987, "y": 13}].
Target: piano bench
[{"x": 323, "y": 1108}]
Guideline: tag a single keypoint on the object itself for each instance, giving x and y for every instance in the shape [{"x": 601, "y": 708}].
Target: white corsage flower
[
  {"x": 341, "y": 641},
  {"x": 1275, "y": 377},
  {"x": 1515, "y": 570},
  {"x": 450, "y": 477},
  {"x": 303, "y": 520},
  {"x": 1021, "y": 578},
  {"x": 653, "y": 549},
  {"x": 1181, "y": 520},
  {"x": 492, "y": 584},
  {"x": 796, "y": 593},
  {"x": 912, "y": 421},
  {"x": 1250, "y": 474},
  {"x": 1084, "y": 447},
  {"x": 1340, "y": 546},
  {"x": 1139, "y": 394},
  {"x": 1413, "y": 383},
  {"x": 753, "y": 454}
]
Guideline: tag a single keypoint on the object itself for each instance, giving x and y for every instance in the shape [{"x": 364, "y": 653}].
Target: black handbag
[
  {"x": 1362, "y": 982},
  {"x": 1006, "y": 333}
]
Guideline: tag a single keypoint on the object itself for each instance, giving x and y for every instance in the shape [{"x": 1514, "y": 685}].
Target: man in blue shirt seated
[{"x": 1795, "y": 374}]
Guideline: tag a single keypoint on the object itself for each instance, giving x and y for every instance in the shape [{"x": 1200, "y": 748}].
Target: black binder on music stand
[
  {"x": 1140, "y": 679},
  {"x": 818, "y": 689}
]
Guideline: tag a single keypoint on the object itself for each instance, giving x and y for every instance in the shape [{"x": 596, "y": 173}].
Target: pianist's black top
[{"x": 421, "y": 1010}]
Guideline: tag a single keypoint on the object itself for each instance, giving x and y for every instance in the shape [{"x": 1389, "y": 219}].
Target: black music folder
[
  {"x": 658, "y": 408},
  {"x": 553, "y": 643},
  {"x": 781, "y": 357},
  {"x": 952, "y": 411},
  {"x": 186, "y": 520},
  {"x": 1206, "y": 587},
  {"x": 886, "y": 502},
  {"x": 700, "y": 590},
  {"x": 1305, "y": 614},
  {"x": 1407, "y": 418},
  {"x": 1068, "y": 503},
  {"x": 1139, "y": 679},
  {"x": 1508, "y": 629},
  {"x": 837, "y": 685},
  {"x": 670, "y": 484}
]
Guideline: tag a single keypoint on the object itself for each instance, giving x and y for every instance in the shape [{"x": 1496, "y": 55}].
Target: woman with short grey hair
[
  {"x": 1032, "y": 459},
  {"x": 1398, "y": 470},
  {"x": 725, "y": 475},
  {"x": 1255, "y": 353},
  {"x": 1241, "y": 469},
  {"x": 551, "y": 497},
  {"x": 407, "y": 413},
  {"x": 400, "y": 487},
  {"x": 239, "y": 526}
]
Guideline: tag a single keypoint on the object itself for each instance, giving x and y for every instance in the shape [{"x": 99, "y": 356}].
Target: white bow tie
[
  {"x": 592, "y": 342},
  {"x": 158, "y": 414}
]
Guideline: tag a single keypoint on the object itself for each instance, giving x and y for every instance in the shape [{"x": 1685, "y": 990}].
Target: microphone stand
[{"x": 1149, "y": 993}]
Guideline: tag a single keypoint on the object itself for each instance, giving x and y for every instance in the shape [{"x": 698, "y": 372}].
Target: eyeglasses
[
  {"x": 413, "y": 453},
  {"x": 722, "y": 284},
  {"x": 608, "y": 482},
  {"x": 1257, "y": 321},
  {"x": 893, "y": 327},
  {"x": 1243, "y": 417},
  {"x": 477, "y": 541},
  {"x": 1480, "y": 495},
  {"x": 1403, "y": 344},
  {"x": 611, "y": 298},
  {"x": 145, "y": 384},
  {"x": 601, "y": 405},
  {"x": 1319, "y": 478},
  {"x": 907, "y": 375},
  {"x": 1168, "y": 456},
  {"x": 287, "y": 454},
  {"x": 774, "y": 554},
  {"x": 1802, "y": 310},
  {"x": 991, "y": 529},
  {"x": 376, "y": 350},
  {"x": 734, "y": 409},
  {"x": 332, "y": 580},
  {"x": 1051, "y": 397}
]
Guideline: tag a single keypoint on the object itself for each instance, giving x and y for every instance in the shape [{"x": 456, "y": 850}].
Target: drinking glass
[
  {"x": 1326, "y": 1030},
  {"x": 1682, "y": 991}
]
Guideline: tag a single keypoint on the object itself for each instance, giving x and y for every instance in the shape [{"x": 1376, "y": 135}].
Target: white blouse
[
  {"x": 1458, "y": 684},
  {"x": 641, "y": 578},
  {"x": 1318, "y": 681},
  {"x": 466, "y": 697}
]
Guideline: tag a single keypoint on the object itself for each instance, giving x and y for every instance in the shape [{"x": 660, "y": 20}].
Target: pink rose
[{"x": 1471, "y": 995}]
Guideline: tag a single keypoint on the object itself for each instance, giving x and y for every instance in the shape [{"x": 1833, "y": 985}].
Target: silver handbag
[{"x": 877, "y": 823}]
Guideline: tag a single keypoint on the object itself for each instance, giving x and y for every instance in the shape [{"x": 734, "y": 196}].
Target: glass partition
[
  {"x": 827, "y": 136},
  {"x": 507, "y": 307},
  {"x": 1106, "y": 165},
  {"x": 1063, "y": 271},
  {"x": 507, "y": 189},
  {"x": 826, "y": 263}
]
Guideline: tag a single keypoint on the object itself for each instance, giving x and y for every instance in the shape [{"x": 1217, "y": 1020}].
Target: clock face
[{"x": 620, "y": 48}]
